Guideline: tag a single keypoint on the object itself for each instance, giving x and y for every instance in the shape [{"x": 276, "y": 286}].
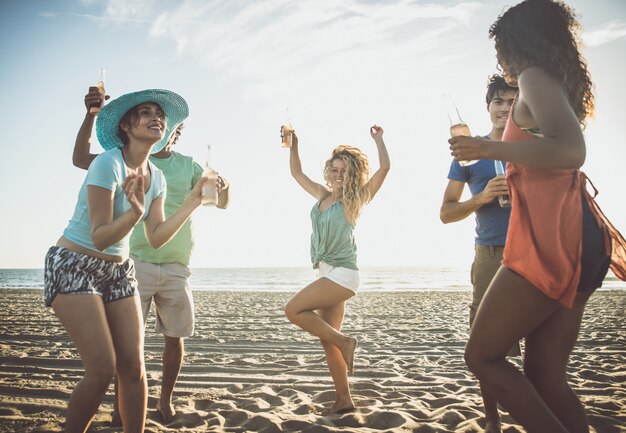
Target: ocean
[{"x": 391, "y": 279}]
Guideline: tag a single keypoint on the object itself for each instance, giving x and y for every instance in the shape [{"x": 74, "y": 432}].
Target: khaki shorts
[
  {"x": 486, "y": 263},
  {"x": 168, "y": 285}
]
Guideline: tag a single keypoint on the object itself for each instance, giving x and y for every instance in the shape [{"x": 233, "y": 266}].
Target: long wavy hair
[
  {"x": 545, "y": 33},
  {"x": 355, "y": 194}
]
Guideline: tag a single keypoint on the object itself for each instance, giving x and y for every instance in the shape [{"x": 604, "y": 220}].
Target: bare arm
[
  {"x": 105, "y": 231},
  {"x": 81, "y": 156},
  {"x": 384, "y": 163},
  {"x": 315, "y": 189},
  {"x": 542, "y": 103},
  {"x": 453, "y": 209},
  {"x": 159, "y": 230}
]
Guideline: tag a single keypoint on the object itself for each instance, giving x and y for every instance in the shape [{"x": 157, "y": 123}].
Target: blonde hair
[{"x": 355, "y": 193}]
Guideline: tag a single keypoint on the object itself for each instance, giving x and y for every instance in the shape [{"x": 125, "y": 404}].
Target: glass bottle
[
  {"x": 457, "y": 125},
  {"x": 504, "y": 200},
  {"x": 95, "y": 109},
  {"x": 286, "y": 135},
  {"x": 209, "y": 189},
  {"x": 286, "y": 131}
]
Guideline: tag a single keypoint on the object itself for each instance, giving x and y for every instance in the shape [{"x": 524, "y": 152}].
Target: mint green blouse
[{"x": 332, "y": 240}]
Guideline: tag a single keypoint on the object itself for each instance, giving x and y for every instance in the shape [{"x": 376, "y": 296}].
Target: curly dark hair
[
  {"x": 496, "y": 87},
  {"x": 545, "y": 33}
]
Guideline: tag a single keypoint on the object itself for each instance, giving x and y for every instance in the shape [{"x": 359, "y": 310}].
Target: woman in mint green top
[
  {"x": 319, "y": 307},
  {"x": 332, "y": 240}
]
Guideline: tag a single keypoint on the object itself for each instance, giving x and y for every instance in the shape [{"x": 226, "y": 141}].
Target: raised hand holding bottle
[{"x": 95, "y": 109}]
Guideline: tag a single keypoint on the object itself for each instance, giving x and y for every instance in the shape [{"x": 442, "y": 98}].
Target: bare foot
[
  {"x": 341, "y": 407},
  {"x": 347, "y": 351},
  {"x": 493, "y": 426},
  {"x": 166, "y": 411}
]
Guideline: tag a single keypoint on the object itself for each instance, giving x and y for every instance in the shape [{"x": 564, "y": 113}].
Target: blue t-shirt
[
  {"x": 108, "y": 171},
  {"x": 492, "y": 221}
]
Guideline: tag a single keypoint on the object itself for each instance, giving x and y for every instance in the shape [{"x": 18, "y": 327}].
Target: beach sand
[{"x": 248, "y": 369}]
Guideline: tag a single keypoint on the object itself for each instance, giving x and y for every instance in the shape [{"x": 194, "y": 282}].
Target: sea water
[{"x": 413, "y": 278}]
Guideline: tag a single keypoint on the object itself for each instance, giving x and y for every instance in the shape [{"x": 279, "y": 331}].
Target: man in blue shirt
[{"x": 492, "y": 221}]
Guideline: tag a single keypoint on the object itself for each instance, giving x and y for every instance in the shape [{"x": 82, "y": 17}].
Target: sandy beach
[{"x": 248, "y": 369}]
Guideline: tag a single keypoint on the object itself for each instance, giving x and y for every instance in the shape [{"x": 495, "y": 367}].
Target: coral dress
[{"x": 545, "y": 237}]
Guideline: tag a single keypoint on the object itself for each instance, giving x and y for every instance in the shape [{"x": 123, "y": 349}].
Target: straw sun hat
[{"x": 173, "y": 105}]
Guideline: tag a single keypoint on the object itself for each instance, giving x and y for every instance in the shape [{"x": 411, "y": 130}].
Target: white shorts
[
  {"x": 168, "y": 285},
  {"x": 348, "y": 278}
]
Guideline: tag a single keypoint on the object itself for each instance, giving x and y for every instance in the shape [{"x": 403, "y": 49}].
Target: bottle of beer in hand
[
  {"x": 286, "y": 131},
  {"x": 95, "y": 109},
  {"x": 209, "y": 189},
  {"x": 286, "y": 135},
  {"x": 502, "y": 199},
  {"x": 457, "y": 125}
]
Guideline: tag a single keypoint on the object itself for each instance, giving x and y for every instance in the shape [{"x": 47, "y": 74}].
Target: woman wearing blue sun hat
[{"x": 89, "y": 279}]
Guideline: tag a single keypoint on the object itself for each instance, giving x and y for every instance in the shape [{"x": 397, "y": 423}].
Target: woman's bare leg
[
  {"x": 126, "y": 324},
  {"x": 336, "y": 364},
  {"x": 321, "y": 294},
  {"x": 547, "y": 352},
  {"x": 84, "y": 319},
  {"x": 492, "y": 416},
  {"x": 511, "y": 310}
]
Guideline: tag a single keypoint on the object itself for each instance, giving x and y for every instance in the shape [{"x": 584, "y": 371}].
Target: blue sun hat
[{"x": 174, "y": 106}]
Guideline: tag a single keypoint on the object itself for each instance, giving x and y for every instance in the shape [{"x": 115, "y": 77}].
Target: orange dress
[{"x": 545, "y": 237}]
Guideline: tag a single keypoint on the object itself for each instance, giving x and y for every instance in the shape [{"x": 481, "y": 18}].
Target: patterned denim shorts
[{"x": 69, "y": 272}]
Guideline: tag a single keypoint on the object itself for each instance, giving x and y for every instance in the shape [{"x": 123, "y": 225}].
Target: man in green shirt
[{"x": 163, "y": 274}]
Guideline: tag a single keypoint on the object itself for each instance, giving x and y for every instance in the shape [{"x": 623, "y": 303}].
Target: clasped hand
[
  {"x": 133, "y": 188},
  {"x": 495, "y": 187},
  {"x": 464, "y": 148}
]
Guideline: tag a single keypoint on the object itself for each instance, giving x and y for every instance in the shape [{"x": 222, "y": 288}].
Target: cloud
[
  {"x": 130, "y": 10},
  {"x": 116, "y": 12},
  {"x": 277, "y": 40},
  {"x": 612, "y": 31},
  {"x": 48, "y": 14},
  {"x": 280, "y": 36},
  {"x": 113, "y": 13}
]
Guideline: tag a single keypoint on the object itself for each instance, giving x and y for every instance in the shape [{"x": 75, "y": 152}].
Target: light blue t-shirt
[
  {"x": 492, "y": 221},
  {"x": 108, "y": 171}
]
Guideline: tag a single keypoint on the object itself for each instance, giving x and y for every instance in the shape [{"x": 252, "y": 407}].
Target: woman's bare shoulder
[{"x": 536, "y": 79}]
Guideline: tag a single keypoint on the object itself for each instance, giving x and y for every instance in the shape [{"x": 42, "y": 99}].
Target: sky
[{"x": 332, "y": 68}]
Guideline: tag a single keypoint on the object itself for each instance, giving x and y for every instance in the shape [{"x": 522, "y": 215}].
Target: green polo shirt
[{"x": 181, "y": 174}]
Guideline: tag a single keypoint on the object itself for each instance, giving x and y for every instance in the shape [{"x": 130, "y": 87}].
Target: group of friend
[{"x": 536, "y": 263}]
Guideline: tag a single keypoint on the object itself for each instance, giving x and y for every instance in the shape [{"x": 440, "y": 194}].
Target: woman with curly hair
[
  {"x": 319, "y": 307},
  {"x": 557, "y": 251}
]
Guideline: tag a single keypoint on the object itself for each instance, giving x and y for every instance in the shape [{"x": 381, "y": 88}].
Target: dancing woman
[
  {"x": 557, "y": 252},
  {"x": 319, "y": 307},
  {"x": 89, "y": 279}
]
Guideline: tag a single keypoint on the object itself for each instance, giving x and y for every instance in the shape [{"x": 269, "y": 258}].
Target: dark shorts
[
  {"x": 594, "y": 262},
  {"x": 69, "y": 272}
]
